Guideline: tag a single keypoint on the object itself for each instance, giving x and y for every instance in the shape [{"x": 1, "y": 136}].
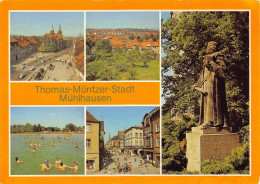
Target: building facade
[
  {"x": 54, "y": 39},
  {"x": 22, "y": 47},
  {"x": 94, "y": 143},
  {"x": 77, "y": 57},
  {"x": 133, "y": 141},
  {"x": 151, "y": 131}
]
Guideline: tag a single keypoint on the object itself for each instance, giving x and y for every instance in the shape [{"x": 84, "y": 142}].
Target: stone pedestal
[{"x": 209, "y": 143}]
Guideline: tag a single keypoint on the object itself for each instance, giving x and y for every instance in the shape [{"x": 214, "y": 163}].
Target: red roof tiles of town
[
  {"x": 50, "y": 35},
  {"x": 13, "y": 40}
]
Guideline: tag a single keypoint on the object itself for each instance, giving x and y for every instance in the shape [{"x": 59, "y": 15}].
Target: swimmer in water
[
  {"x": 34, "y": 148},
  {"x": 45, "y": 166},
  {"x": 18, "y": 161},
  {"x": 75, "y": 168},
  {"x": 62, "y": 167},
  {"x": 57, "y": 162},
  {"x": 76, "y": 148},
  {"x": 53, "y": 144},
  {"x": 77, "y": 143}
]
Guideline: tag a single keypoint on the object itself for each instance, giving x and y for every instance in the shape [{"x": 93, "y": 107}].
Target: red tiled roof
[
  {"x": 13, "y": 40},
  {"x": 25, "y": 41},
  {"x": 79, "y": 55}
]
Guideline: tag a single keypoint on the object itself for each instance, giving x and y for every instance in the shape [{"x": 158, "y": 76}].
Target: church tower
[
  {"x": 59, "y": 31},
  {"x": 52, "y": 30}
]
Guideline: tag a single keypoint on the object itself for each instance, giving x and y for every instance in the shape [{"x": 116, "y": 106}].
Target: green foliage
[
  {"x": 184, "y": 41},
  {"x": 237, "y": 163},
  {"x": 122, "y": 64},
  {"x": 174, "y": 142},
  {"x": 103, "y": 45},
  {"x": 155, "y": 38},
  {"x": 52, "y": 48},
  {"x": 39, "y": 128},
  {"x": 216, "y": 167},
  {"x": 131, "y": 37},
  {"x": 147, "y": 56},
  {"x": 240, "y": 158},
  {"x": 244, "y": 134}
]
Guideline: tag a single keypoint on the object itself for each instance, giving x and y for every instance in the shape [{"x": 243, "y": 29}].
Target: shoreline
[{"x": 48, "y": 133}]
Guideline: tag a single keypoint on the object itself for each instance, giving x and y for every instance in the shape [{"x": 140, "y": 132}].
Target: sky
[
  {"x": 116, "y": 20},
  {"x": 164, "y": 15},
  {"x": 118, "y": 118},
  {"x": 48, "y": 116},
  {"x": 39, "y": 23}
]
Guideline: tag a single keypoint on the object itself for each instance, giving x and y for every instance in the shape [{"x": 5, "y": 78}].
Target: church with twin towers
[{"x": 54, "y": 39}]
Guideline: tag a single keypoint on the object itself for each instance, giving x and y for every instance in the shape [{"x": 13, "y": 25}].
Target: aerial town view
[
  {"x": 47, "y": 141},
  {"x": 123, "y": 140},
  {"x": 46, "y": 46},
  {"x": 122, "y": 46}
]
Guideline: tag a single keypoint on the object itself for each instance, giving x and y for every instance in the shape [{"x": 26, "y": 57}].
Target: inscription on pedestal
[{"x": 210, "y": 143}]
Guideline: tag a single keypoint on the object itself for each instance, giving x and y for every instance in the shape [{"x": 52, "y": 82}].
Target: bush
[
  {"x": 237, "y": 163},
  {"x": 216, "y": 167}
]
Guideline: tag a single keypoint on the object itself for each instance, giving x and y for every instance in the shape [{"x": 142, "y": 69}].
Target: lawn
[{"x": 152, "y": 72}]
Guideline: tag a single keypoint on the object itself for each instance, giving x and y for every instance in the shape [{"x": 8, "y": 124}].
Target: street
[
  {"x": 138, "y": 166},
  {"x": 29, "y": 67}
]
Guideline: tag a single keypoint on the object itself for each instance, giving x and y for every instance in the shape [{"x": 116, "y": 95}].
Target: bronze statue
[{"x": 211, "y": 84}]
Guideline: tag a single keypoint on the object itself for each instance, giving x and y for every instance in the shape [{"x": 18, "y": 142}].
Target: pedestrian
[
  {"x": 119, "y": 168},
  {"x": 130, "y": 166},
  {"x": 105, "y": 164},
  {"x": 156, "y": 163}
]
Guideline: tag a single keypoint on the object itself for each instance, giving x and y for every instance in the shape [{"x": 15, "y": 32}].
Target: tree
[
  {"x": 131, "y": 37},
  {"x": 70, "y": 127},
  {"x": 174, "y": 142},
  {"x": 184, "y": 42},
  {"x": 103, "y": 45},
  {"x": 146, "y": 57}
]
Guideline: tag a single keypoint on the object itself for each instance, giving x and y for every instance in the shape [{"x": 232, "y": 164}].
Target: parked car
[
  {"x": 43, "y": 61},
  {"x": 32, "y": 68},
  {"x": 22, "y": 67},
  {"x": 22, "y": 76},
  {"x": 58, "y": 59}
]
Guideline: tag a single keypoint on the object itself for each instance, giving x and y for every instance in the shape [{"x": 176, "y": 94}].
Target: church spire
[
  {"x": 59, "y": 31},
  {"x": 52, "y": 30}
]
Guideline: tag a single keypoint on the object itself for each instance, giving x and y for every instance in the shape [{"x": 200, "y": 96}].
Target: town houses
[
  {"x": 77, "y": 57},
  {"x": 22, "y": 47},
  {"x": 94, "y": 143},
  {"x": 141, "y": 39},
  {"x": 141, "y": 141}
]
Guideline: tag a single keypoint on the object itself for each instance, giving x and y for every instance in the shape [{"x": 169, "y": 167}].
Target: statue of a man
[{"x": 211, "y": 84}]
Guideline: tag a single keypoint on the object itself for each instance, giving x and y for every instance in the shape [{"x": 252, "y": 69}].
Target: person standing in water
[
  {"x": 57, "y": 162},
  {"x": 18, "y": 161},
  {"x": 75, "y": 168},
  {"x": 62, "y": 167},
  {"x": 45, "y": 166}
]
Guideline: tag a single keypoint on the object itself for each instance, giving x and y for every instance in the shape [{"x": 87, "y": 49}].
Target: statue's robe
[{"x": 213, "y": 109}]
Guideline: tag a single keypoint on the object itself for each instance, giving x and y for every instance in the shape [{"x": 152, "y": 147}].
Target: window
[
  {"x": 136, "y": 143},
  {"x": 141, "y": 143},
  {"x": 136, "y": 135},
  {"x": 141, "y": 135},
  {"x": 157, "y": 127},
  {"x": 88, "y": 143},
  {"x": 90, "y": 164},
  {"x": 157, "y": 141},
  {"x": 88, "y": 128},
  {"x": 147, "y": 142},
  {"x": 131, "y": 135}
]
